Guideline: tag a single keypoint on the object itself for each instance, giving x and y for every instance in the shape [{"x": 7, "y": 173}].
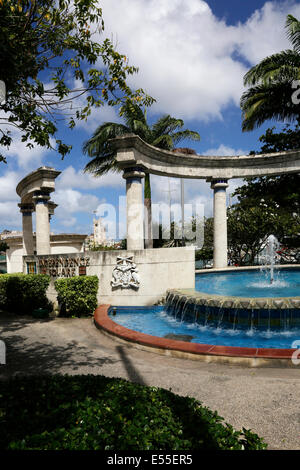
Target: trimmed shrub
[
  {"x": 87, "y": 412},
  {"x": 77, "y": 295},
  {"x": 23, "y": 293}
]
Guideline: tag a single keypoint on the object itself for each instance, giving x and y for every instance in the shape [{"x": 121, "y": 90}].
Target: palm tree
[
  {"x": 271, "y": 84},
  {"x": 164, "y": 134}
]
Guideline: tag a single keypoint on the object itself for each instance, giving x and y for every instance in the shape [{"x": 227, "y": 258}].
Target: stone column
[
  {"x": 41, "y": 199},
  {"x": 28, "y": 242},
  {"x": 220, "y": 223},
  {"x": 135, "y": 208}
]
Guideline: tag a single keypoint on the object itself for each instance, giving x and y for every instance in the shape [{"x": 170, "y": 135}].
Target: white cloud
[
  {"x": 224, "y": 150},
  {"x": 10, "y": 215},
  {"x": 8, "y": 184},
  {"x": 97, "y": 117},
  {"x": 72, "y": 178},
  {"x": 188, "y": 59},
  {"x": 264, "y": 32},
  {"x": 196, "y": 191},
  {"x": 27, "y": 158},
  {"x": 71, "y": 203}
]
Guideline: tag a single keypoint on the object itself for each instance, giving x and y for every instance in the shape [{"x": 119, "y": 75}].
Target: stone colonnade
[
  {"x": 135, "y": 213},
  {"x": 135, "y": 154},
  {"x": 220, "y": 223},
  {"x": 44, "y": 209},
  {"x": 34, "y": 191},
  {"x": 134, "y": 208}
]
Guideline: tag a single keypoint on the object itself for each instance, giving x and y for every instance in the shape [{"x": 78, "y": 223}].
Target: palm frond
[
  {"x": 293, "y": 31},
  {"x": 99, "y": 140},
  {"x": 100, "y": 166},
  {"x": 132, "y": 112},
  {"x": 166, "y": 124},
  {"x": 141, "y": 129},
  {"x": 270, "y": 95},
  {"x": 277, "y": 67},
  {"x": 164, "y": 142},
  {"x": 186, "y": 134},
  {"x": 264, "y": 102}
]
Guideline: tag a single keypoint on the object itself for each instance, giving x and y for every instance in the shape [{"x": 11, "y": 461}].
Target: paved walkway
[{"x": 265, "y": 400}]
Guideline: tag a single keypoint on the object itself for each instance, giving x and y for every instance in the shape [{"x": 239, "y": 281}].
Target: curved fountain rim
[
  {"x": 253, "y": 301},
  {"x": 256, "y": 301},
  {"x": 230, "y": 269},
  {"x": 253, "y": 357}
]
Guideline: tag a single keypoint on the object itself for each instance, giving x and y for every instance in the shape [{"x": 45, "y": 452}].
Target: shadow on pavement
[
  {"x": 132, "y": 372},
  {"x": 27, "y": 356}
]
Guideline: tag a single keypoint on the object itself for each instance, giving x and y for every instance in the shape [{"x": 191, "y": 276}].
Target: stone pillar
[
  {"x": 28, "y": 242},
  {"x": 135, "y": 208},
  {"x": 41, "y": 199},
  {"x": 220, "y": 223}
]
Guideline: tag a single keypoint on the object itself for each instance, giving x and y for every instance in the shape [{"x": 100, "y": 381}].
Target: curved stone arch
[
  {"x": 134, "y": 156},
  {"x": 42, "y": 179},
  {"x": 132, "y": 151},
  {"x": 34, "y": 191}
]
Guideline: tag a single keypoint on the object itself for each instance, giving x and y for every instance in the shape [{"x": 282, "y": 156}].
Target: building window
[{"x": 31, "y": 268}]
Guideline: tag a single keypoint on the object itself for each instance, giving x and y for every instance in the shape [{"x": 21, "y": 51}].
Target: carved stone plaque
[{"x": 125, "y": 274}]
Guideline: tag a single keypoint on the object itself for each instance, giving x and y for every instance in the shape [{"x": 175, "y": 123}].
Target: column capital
[
  {"x": 41, "y": 197},
  {"x": 51, "y": 207},
  {"x": 134, "y": 173},
  {"x": 217, "y": 183},
  {"x": 26, "y": 209}
]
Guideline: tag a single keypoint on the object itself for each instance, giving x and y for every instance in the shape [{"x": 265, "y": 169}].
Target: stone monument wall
[{"x": 139, "y": 277}]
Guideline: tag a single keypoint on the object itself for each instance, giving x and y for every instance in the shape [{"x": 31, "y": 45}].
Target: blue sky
[{"x": 192, "y": 56}]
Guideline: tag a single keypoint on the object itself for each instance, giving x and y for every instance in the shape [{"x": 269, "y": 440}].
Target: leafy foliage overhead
[
  {"x": 272, "y": 84},
  {"x": 266, "y": 205},
  {"x": 56, "y": 65},
  {"x": 164, "y": 133}
]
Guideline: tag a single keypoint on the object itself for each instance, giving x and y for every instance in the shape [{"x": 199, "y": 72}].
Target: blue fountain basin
[
  {"x": 157, "y": 321},
  {"x": 251, "y": 283}
]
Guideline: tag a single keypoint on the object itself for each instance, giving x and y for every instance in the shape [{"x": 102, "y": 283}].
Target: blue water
[
  {"x": 156, "y": 321},
  {"x": 251, "y": 283}
]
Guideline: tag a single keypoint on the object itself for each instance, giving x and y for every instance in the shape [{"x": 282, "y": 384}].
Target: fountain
[
  {"x": 248, "y": 308},
  {"x": 222, "y": 300},
  {"x": 266, "y": 299},
  {"x": 250, "y": 312},
  {"x": 269, "y": 259}
]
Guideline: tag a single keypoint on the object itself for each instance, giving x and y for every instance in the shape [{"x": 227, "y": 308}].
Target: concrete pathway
[{"x": 266, "y": 400}]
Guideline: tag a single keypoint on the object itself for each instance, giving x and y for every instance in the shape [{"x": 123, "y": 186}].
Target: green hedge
[
  {"x": 77, "y": 295},
  {"x": 87, "y": 412},
  {"x": 23, "y": 293}
]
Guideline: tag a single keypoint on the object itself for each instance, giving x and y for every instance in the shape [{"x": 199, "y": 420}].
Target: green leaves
[
  {"x": 163, "y": 134},
  {"x": 98, "y": 413},
  {"x": 293, "y": 31},
  {"x": 77, "y": 295},
  {"x": 267, "y": 205},
  {"x": 270, "y": 81},
  {"x": 58, "y": 37},
  {"x": 23, "y": 293}
]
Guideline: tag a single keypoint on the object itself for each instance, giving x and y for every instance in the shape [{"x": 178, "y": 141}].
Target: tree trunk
[{"x": 148, "y": 213}]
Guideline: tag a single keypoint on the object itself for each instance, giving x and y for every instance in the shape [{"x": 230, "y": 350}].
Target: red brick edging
[{"x": 103, "y": 321}]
